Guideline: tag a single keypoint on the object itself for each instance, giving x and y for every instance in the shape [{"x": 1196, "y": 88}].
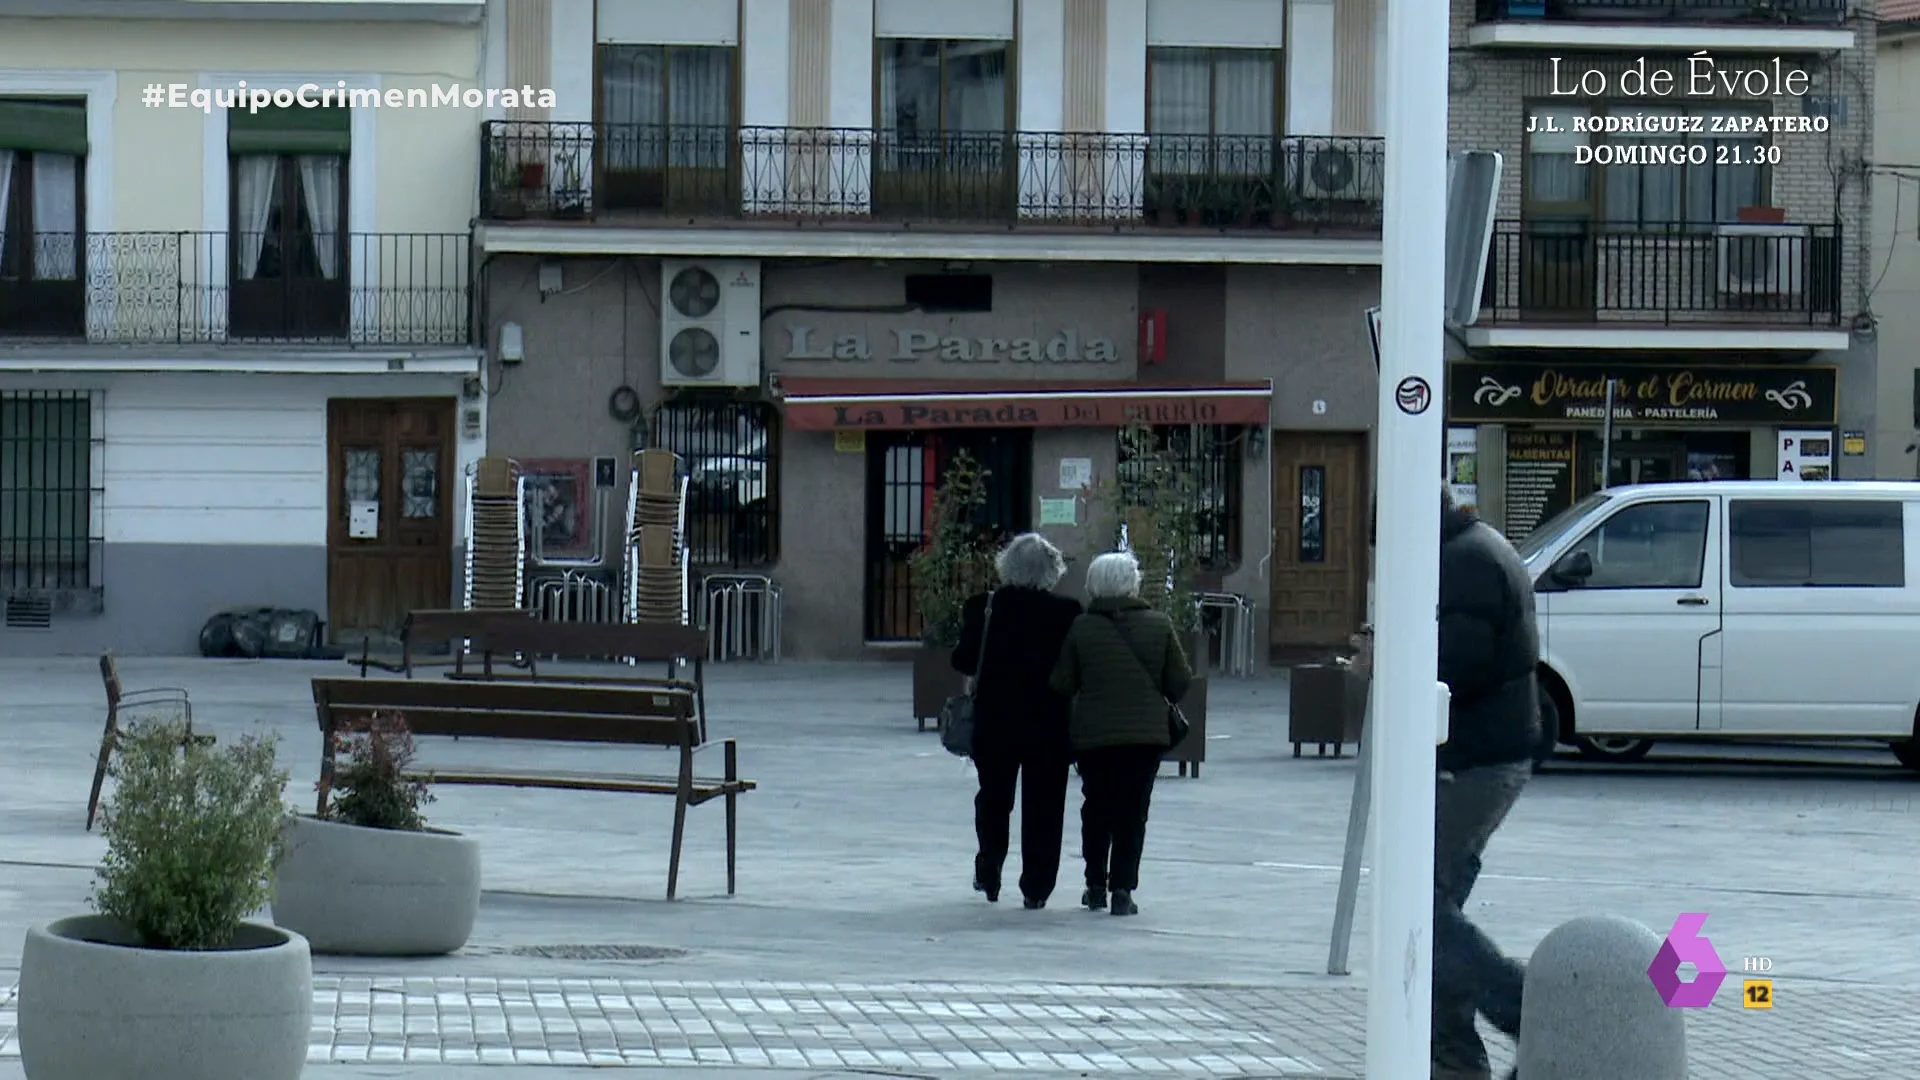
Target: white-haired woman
[
  {"x": 1122, "y": 664},
  {"x": 1020, "y": 724}
]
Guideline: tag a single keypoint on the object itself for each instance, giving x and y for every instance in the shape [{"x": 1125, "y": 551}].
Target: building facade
[
  {"x": 1682, "y": 242},
  {"x": 819, "y": 246},
  {"x": 220, "y": 327},
  {"x": 1896, "y": 243}
]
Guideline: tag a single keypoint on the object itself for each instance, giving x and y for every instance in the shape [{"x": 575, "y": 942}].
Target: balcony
[
  {"x": 1785, "y": 25},
  {"x": 186, "y": 288},
  {"x": 1719, "y": 281},
  {"x": 662, "y": 175}
]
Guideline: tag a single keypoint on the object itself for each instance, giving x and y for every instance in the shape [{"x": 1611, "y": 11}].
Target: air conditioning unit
[
  {"x": 709, "y": 322},
  {"x": 1342, "y": 170},
  {"x": 1761, "y": 260}
]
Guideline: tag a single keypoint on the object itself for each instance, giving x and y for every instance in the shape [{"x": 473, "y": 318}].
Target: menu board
[{"x": 1539, "y": 478}]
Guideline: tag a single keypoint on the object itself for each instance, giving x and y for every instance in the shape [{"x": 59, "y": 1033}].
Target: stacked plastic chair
[
  {"x": 496, "y": 570},
  {"x": 656, "y": 547}
]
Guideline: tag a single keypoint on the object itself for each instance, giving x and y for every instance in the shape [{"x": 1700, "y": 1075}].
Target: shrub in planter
[
  {"x": 370, "y": 878},
  {"x": 168, "y": 975},
  {"x": 957, "y": 563}
]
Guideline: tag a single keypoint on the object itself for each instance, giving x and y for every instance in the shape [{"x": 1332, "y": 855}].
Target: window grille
[
  {"x": 731, "y": 453},
  {"x": 51, "y": 496},
  {"x": 1211, "y": 454}
]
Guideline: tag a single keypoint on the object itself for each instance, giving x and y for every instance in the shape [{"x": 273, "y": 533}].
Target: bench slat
[
  {"x": 405, "y": 694},
  {"x": 703, "y": 788},
  {"x": 571, "y": 640}
]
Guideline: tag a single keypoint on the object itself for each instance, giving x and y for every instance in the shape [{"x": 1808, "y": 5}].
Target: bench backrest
[
  {"x": 647, "y": 642},
  {"x": 438, "y": 626},
  {"x": 553, "y": 712},
  {"x": 110, "y": 676}
]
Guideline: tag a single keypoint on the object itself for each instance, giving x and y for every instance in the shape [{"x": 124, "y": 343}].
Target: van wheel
[
  {"x": 1908, "y": 753},
  {"x": 1615, "y": 749}
]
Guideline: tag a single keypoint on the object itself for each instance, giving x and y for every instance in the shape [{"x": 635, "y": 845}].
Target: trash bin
[{"x": 1326, "y": 705}]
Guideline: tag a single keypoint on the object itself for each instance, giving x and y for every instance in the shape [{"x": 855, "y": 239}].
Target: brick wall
[{"x": 1820, "y": 177}]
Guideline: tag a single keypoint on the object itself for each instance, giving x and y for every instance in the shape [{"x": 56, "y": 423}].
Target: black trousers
[
  {"x": 1470, "y": 974},
  {"x": 1116, "y": 784},
  {"x": 1041, "y": 781}
]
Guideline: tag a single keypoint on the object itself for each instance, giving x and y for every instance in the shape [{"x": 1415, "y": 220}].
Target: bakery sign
[
  {"x": 1500, "y": 393},
  {"x": 1068, "y": 346}
]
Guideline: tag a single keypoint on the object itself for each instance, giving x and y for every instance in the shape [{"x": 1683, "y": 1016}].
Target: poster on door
[
  {"x": 1463, "y": 466},
  {"x": 1805, "y": 455}
]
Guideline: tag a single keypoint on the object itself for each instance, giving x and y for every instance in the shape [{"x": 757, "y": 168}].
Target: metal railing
[
  {"x": 1776, "y": 275},
  {"x": 580, "y": 171},
  {"x": 1776, "y": 12},
  {"x": 149, "y": 288}
]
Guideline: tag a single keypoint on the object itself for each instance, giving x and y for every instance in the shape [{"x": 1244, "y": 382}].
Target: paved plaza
[{"x": 855, "y": 947}]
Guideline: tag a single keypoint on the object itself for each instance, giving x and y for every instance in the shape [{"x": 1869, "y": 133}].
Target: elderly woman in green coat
[{"x": 1121, "y": 666}]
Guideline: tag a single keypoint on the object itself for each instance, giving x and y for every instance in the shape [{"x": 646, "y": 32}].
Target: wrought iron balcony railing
[
  {"x": 560, "y": 171},
  {"x": 1712, "y": 275},
  {"x": 341, "y": 289},
  {"x": 1783, "y": 13}
]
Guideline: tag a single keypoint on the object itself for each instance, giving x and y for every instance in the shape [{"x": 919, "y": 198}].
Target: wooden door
[
  {"x": 395, "y": 455},
  {"x": 1321, "y": 498}
]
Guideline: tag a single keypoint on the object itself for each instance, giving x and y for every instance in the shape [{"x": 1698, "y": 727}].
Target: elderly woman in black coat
[{"x": 1009, "y": 640}]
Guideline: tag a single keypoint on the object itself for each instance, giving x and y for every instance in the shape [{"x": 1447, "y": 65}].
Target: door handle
[{"x": 1692, "y": 601}]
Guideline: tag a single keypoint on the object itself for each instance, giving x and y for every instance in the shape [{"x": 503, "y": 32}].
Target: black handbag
[
  {"x": 956, "y": 714},
  {"x": 1178, "y": 728}
]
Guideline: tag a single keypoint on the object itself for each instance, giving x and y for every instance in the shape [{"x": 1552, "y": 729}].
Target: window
[
  {"x": 728, "y": 451},
  {"x": 288, "y": 240},
  {"x": 1312, "y": 526},
  {"x": 1213, "y": 110},
  {"x": 1817, "y": 542},
  {"x": 47, "y": 484},
  {"x": 1656, "y": 197},
  {"x": 931, "y": 90},
  {"x": 1209, "y": 455},
  {"x": 1658, "y": 545},
  {"x": 666, "y": 106},
  {"x": 43, "y": 155}
]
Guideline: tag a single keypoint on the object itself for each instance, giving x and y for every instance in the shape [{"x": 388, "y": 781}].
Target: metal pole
[
  {"x": 1349, "y": 894},
  {"x": 1606, "y": 442},
  {"x": 1407, "y": 557}
]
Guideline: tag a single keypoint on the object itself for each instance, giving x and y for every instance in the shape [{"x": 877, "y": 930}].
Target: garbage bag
[{"x": 216, "y": 637}]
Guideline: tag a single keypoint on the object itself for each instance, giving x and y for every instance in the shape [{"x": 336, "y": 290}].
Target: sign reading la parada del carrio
[{"x": 905, "y": 346}]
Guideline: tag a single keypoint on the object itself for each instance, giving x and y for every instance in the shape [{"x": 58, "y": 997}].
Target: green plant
[
  {"x": 958, "y": 559},
  {"x": 372, "y": 789},
  {"x": 192, "y": 834},
  {"x": 1153, "y": 495}
]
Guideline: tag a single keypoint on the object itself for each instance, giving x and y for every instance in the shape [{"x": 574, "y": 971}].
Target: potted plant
[
  {"x": 956, "y": 563},
  {"x": 533, "y": 175},
  {"x": 1150, "y": 504},
  {"x": 503, "y": 189},
  {"x": 370, "y": 878},
  {"x": 570, "y": 197},
  {"x": 168, "y": 977}
]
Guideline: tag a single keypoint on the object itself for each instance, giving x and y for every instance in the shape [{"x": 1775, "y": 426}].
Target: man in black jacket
[{"x": 1489, "y": 650}]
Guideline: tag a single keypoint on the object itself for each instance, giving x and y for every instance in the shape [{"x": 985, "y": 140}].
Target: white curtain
[
  {"x": 667, "y": 105},
  {"x": 56, "y": 216},
  {"x": 699, "y": 100},
  {"x": 1243, "y": 111},
  {"x": 6, "y": 188},
  {"x": 1552, "y": 173},
  {"x": 320, "y": 183},
  {"x": 633, "y": 91},
  {"x": 1197, "y": 93},
  {"x": 257, "y": 173},
  {"x": 1644, "y": 196}
]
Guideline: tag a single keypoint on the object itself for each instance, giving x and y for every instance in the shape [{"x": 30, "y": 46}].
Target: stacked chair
[
  {"x": 496, "y": 570},
  {"x": 656, "y": 548}
]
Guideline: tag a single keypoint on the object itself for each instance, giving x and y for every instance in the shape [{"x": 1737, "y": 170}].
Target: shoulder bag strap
[
  {"x": 1145, "y": 668},
  {"x": 980, "y": 662}
]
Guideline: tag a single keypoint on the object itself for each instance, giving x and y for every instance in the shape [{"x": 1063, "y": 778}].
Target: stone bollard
[{"x": 1590, "y": 1012}]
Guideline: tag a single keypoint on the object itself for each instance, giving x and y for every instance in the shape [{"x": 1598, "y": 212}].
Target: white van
[{"x": 1732, "y": 610}]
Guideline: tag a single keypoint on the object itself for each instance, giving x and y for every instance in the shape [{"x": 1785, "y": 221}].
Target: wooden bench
[
  {"x": 543, "y": 712},
  {"x": 435, "y": 627},
  {"x": 644, "y": 643},
  {"x": 120, "y": 698}
]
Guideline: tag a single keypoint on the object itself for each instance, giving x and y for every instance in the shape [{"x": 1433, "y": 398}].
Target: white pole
[{"x": 1407, "y": 556}]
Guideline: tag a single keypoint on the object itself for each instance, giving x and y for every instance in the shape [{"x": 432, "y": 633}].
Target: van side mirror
[{"x": 1573, "y": 570}]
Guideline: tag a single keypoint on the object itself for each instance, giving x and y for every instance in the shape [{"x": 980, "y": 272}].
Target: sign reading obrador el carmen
[{"x": 1650, "y": 394}]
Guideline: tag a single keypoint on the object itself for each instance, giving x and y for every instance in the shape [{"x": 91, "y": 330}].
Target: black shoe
[
  {"x": 1123, "y": 904},
  {"x": 992, "y": 891},
  {"x": 1094, "y": 899},
  {"x": 1032, "y": 903}
]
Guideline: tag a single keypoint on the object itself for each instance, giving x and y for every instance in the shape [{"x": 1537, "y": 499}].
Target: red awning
[{"x": 905, "y": 405}]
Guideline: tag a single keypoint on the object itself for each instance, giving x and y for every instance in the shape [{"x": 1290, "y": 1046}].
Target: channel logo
[{"x": 1686, "y": 945}]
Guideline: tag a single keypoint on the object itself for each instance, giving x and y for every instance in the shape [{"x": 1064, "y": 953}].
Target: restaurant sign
[
  {"x": 1499, "y": 393},
  {"x": 1065, "y": 347}
]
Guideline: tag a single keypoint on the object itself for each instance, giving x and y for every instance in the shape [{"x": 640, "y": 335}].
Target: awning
[{"x": 816, "y": 404}]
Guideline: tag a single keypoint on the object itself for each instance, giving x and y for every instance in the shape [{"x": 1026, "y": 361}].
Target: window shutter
[
  {"x": 292, "y": 130},
  {"x": 52, "y": 127}
]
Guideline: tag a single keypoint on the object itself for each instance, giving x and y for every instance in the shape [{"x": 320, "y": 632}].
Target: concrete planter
[
  {"x": 376, "y": 892},
  {"x": 95, "y": 1007}
]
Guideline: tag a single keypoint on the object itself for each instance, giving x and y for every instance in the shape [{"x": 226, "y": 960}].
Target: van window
[
  {"x": 1654, "y": 545},
  {"x": 1833, "y": 543}
]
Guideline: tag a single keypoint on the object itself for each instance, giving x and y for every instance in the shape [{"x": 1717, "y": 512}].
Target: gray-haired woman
[
  {"x": 1020, "y": 724},
  {"x": 1121, "y": 664}
]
